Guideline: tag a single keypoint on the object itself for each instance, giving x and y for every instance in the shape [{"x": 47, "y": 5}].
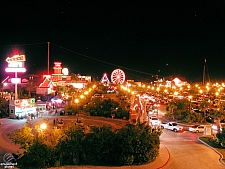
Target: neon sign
[
  {"x": 16, "y": 80},
  {"x": 16, "y": 63},
  {"x": 16, "y": 58}
]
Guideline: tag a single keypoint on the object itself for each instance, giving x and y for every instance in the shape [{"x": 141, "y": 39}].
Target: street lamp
[
  {"x": 76, "y": 101},
  {"x": 43, "y": 126}
]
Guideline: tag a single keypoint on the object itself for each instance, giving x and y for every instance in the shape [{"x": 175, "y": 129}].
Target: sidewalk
[{"x": 160, "y": 162}]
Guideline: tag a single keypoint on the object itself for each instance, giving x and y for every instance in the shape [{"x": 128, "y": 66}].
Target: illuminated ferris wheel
[{"x": 117, "y": 76}]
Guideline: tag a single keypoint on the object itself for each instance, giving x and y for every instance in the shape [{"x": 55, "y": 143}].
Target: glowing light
[
  {"x": 5, "y": 79},
  {"x": 43, "y": 126},
  {"x": 16, "y": 58},
  {"x": 190, "y": 97},
  {"x": 65, "y": 71},
  {"x": 76, "y": 100},
  {"x": 15, "y": 80},
  {"x": 15, "y": 69}
]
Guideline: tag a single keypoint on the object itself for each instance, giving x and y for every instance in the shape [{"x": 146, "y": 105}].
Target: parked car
[
  {"x": 154, "y": 121},
  {"x": 173, "y": 126},
  {"x": 163, "y": 124},
  {"x": 197, "y": 128}
]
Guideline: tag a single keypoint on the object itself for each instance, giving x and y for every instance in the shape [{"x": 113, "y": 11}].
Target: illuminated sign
[
  {"x": 17, "y": 102},
  {"x": 16, "y": 58},
  {"x": 16, "y": 63},
  {"x": 16, "y": 80},
  {"x": 15, "y": 69}
]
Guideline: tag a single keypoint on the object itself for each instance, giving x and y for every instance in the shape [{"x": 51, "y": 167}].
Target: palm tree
[{"x": 203, "y": 106}]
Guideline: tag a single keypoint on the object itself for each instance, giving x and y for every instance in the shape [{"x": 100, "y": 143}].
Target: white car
[
  {"x": 163, "y": 124},
  {"x": 154, "y": 121},
  {"x": 197, "y": 128},
  {"x": 173, "y": 126}
]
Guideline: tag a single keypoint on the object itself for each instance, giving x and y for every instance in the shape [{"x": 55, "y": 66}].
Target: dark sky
[{"x": 143, "y": 38}]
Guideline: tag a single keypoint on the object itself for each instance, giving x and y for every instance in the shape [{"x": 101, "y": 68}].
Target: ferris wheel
[{"x": 117, "y": 76}]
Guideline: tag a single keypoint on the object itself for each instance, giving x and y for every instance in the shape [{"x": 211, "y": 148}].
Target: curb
[
  {"x": 167, "y": 159},
  {"x": 221, "y": 156}
]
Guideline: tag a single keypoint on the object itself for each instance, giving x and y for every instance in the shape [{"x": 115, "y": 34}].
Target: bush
[{"x": 132, "y": 144}]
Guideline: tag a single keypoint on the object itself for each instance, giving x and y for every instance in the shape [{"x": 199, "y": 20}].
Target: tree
[
  {"x": 30, "y": 86},
  {"x": 69, "y": 147},
  {"x": 204, "y": 106},
  {"x": 218, "y": 115},
  {"x": 24, "y": 137},
  {"x": 4, "y": 107},
  {"x": 172, "y": 107}
]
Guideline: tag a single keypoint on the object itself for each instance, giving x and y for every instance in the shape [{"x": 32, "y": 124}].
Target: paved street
[{"x": 176, "y": 149}]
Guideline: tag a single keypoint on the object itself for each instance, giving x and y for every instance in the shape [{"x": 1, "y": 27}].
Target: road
[{"x": 185, "y": 150}]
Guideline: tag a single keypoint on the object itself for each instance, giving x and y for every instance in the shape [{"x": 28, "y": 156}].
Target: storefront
[{"x": 21, "y": 108}]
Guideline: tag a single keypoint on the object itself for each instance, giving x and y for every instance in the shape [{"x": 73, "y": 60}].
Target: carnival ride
[{"x": 118, "y": 76}]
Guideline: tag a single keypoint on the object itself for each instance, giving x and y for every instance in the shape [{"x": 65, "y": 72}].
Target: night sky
[{"x": 143, "y": 38}]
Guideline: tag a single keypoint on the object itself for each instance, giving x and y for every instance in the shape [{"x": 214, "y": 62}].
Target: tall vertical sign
[{"x": 16, "y": 64}]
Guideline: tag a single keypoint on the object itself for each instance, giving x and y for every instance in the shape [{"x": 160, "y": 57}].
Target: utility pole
[
  {"x": 205, "y": 73},
  {"x": 48, "y": 56}
]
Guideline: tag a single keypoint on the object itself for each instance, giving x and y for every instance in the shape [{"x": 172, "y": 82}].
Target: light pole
[
  {"x": 190, "y": 97},
  {"x": 76, "y": 101}
]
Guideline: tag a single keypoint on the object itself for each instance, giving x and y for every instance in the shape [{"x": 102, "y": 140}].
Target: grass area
[{"x": 216, "y": 146}]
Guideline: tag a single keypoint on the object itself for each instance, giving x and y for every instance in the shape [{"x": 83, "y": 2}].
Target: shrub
[{"x": 132, "y": 144}]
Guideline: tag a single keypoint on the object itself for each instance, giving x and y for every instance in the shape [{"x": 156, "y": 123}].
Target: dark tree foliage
[
  {"x": 38, "y": 156},
  {"x": 132, "y": 144}
]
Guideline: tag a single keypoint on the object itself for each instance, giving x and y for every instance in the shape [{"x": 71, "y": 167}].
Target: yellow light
[
  {"x": 86, "y": 92},
  {"x": 81, "y": 96},
  {"x": 43, "y": 126},
  {"x": 175, "y": 93},
  {"x": 76, "y": 100},
  {"x": 200, "y": 91},
  {"x": 217, "y": 93},
  {"x": 153, "y": 88}
]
